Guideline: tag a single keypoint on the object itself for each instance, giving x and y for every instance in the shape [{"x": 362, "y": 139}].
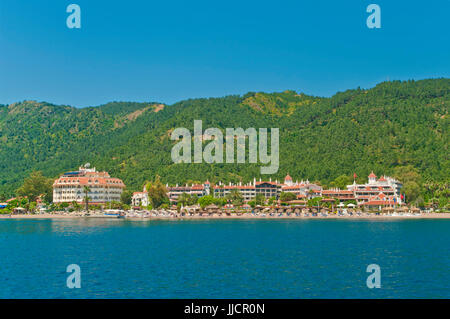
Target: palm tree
[
  {"x": 86, "y": 198},
  {"x": 235, "y": 197},
  {"x": 76, "y": 206},
  {"x": 184, "y": 199}
]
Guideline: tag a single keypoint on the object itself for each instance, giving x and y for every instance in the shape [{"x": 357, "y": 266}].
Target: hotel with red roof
[
  {"x": 376, "y": 193},
  {"x": 248, "y": 191},
  {"x": 69, "y": 187}
]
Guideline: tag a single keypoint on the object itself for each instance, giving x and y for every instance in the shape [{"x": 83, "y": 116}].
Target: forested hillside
[{"x": 392, "y": 125}]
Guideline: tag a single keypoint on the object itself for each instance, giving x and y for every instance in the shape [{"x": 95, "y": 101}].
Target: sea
[{"x": 224, "y": 258}]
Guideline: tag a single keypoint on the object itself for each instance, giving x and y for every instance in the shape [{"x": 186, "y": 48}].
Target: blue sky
[{"x": 167, "y": 51}]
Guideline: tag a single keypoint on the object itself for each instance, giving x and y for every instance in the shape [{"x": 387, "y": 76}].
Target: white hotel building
[
  {"x": 69, "y": 187},
  {"x": 382, "y": 192}
]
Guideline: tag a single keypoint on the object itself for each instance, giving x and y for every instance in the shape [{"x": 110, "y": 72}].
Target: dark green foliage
[
  {"x": 157, "y": 193},
  {"x": 395, "y": 124},
  {"x": 126, "y": 196},
  {"x": 186, "y": 199},
  {"x": 36, "y": 186},
  {"x": 286, "y": 197},
  {"x": 210, "y": 199},
  {"x": 260, "y": 199},
  {"x": 235, "y": 197}
]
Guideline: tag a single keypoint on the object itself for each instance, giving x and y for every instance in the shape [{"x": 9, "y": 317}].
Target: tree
[
  {"x": 341, "y": 182},
  {"x": 206, "y": 200},
  {"x": 443, "y": 202},
  {"x": 272, "y": 200},
  {"x": 116, "y": 205},
  {"x": 32, "y": 206},
  {"x": 434, "y": 191},
  {"x": 235, "y": 197},
  {"x": 260, "y": 199},
  {"x": 314, "y": 202},
  {"x": 37, "y": 185},
  {"x": 126, "y": 196},
  {"x": 286, "y": 197},
  {"x": 407, "y": 174},
  {"x": 411, "y": 190},
  {"x": 157, "y": 193},
  {"x": 186, "y": 199},
  {"x": 76, "y": 206},
  {"x": 350, "y": 201},
  {"x": 220, "y": 201},
  {"x": 419, "y": 202}
]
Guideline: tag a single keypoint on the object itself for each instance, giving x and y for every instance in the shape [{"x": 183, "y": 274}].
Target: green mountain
[{"x": 393, "y": 124}]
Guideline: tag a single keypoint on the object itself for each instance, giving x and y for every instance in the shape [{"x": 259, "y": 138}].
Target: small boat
[{"x": 114, "y": 213}]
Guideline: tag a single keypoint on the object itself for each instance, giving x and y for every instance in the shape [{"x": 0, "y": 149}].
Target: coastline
[{"x": 249, "y": 217}]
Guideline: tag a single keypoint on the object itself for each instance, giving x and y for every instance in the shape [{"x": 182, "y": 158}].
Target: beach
[{"x": 231, "y": 216}]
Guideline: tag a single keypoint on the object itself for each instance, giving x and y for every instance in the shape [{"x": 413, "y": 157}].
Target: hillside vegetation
[{"x": 395, "y": 124}]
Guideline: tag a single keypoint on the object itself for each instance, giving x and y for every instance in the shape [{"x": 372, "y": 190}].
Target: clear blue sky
[{"x": 167, "y": 51}]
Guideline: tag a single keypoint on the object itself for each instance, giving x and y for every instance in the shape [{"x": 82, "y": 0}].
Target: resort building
[
  {"x": 341, "y": 195},
  {"x": 70, "y": 187},
  {"x": 386, "y": 186},
  {"x": 198, "y": 190},
  {"x": 378, "y": 202},
  {"x": 303, "y": 189},
  {"x": 268, "y": 189},
  {"x": 248, "y": 192},
  {"x": 140, "y": 199},
  {"x": 382, "y": 192}
]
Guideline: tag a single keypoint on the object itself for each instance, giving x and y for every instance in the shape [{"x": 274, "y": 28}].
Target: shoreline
[{"x": 57, "y": 216}]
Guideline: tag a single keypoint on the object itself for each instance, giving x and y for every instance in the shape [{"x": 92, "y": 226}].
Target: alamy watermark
[
  {"x": 74, "y": 279},
  {"x": 373, "y": 280},
  {"x": 213, "y": 152},
  {"x": 73, "y": 21},
  {"x": 374, "y": 19}
]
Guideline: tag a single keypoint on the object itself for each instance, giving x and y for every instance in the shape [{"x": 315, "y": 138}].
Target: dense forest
[{"x": 392, "y": 126}]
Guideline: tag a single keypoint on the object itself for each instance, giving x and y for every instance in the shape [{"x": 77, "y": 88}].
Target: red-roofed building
[
  {"x": 380, "y": 201},
  {"x": 268, "y": 189},
  {"x": 305, "y": 188},
  {"x": 69, "y": 187},
  {"x": 248, "y": 191},
  {"x": 288, "y": 180},
  {"x": 341, "y": 195},
  {"x": 384, "y": 185},
  {"x": 199, "y": 190}
]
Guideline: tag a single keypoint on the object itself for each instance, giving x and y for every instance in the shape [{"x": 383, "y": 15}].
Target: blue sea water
[{"x": 224, "y": 258}]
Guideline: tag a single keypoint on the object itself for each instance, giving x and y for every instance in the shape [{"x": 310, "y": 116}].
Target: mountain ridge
[{"x": 393, "y": 124}]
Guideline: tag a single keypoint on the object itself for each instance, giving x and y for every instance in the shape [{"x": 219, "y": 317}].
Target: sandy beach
[{"x": 233, "y": 216}]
